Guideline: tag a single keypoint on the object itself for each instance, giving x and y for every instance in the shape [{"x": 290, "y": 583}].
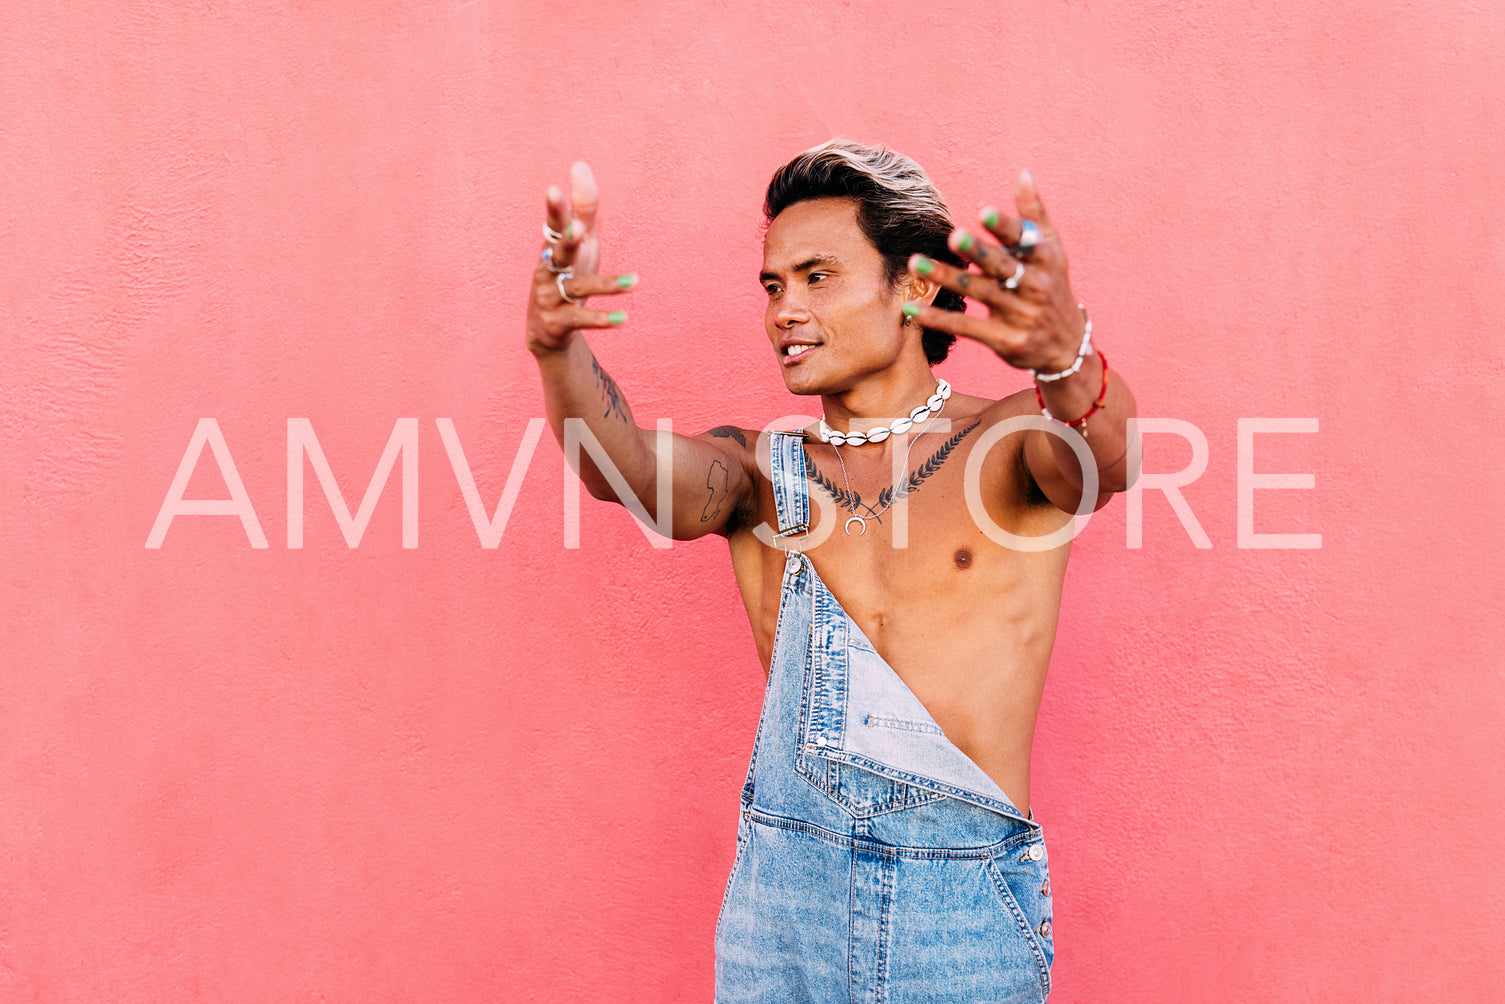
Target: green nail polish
[
  {"x": 911, "y": 309},
  {"x": 572, "y": 231},
  {"x": 617, "y": 317},
  {"x": 990, "y": 218},
  {"x": 965, "y": 241},
  {"x": 924, "y": 266},
  {"x": 627, "y": 281}
]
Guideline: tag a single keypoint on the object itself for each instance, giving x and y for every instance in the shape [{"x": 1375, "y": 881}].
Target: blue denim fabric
[{"x": 875, "y": 861}]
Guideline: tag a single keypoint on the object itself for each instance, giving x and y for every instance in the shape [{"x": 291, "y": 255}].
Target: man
[{"x": 901, "y": 562}]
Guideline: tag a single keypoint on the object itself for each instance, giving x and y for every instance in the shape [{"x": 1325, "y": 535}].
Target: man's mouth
[{"x": 795, "y": 350}]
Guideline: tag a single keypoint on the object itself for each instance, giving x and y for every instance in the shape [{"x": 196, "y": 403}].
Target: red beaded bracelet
[{"x": 1080, "y": 425}]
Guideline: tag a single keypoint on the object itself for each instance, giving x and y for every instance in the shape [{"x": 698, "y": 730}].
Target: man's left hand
[{"x": 1034, "y": 320}]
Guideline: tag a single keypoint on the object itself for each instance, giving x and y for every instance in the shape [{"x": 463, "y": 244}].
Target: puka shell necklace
[{"x": 900, "y": 426}]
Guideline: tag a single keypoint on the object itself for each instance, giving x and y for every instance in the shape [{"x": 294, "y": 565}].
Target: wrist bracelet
[
  {"x": 1080, "y": 425},
  {"x": 1082, "y": 353}
]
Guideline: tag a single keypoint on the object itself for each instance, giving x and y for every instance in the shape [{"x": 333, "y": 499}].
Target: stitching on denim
[
  {"x": 893, "y": 850},
  {"x": 903, "y": 724},
  {"x": 852, "y": 934},
  {"x": 830, "y": 784},
  {"x": 884, "y": 913},
  {"x": 1012, "y": 904},
  {"x": 726, "y": 894},
  {"x": 920, "y": 781}
]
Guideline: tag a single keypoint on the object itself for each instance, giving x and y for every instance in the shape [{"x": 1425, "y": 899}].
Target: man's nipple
[{"x": 963, "y": 558}]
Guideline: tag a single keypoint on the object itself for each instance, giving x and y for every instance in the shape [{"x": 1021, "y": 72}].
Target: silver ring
[
  {"x": 1012, "y": 282},
  {"x": 548, "y": 260},
  {"x": 550, "y": 234},
  {"x": 1029, "y": 236},
  {"x": 559, "y": 281}
]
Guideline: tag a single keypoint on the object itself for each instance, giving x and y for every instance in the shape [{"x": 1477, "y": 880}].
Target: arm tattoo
[
  {"x": 729, "y": 432},
  {"x": 707, "y": 514},
  {"x": 611, "y": 396}
]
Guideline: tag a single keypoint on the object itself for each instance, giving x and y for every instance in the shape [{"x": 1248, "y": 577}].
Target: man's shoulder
[
  {"x": 1004, "y": 465},
  {"x": 1021, "y": 402}
]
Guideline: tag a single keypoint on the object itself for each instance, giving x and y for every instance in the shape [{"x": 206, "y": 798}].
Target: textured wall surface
[{"x": 458, "y": 773}]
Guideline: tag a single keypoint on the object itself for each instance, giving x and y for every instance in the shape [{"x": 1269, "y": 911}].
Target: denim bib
[{"x": 875, "y": 861}]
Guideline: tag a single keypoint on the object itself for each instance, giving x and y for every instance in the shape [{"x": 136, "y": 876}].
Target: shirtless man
[{"x": 904, "y": 619}]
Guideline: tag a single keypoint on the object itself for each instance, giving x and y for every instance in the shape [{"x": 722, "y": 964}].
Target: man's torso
[{"x": 967, "y": 623}]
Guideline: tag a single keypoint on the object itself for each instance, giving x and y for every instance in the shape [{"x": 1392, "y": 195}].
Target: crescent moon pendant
[{"x": 861, "y": 525}]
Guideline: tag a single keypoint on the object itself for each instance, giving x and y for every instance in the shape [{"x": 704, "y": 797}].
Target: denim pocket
[
  {"x": 860, "y": 792},
  {"x": 1023, "y": 886}
]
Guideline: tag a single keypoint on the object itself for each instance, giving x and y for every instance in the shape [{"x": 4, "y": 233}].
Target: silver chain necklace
[{"x": 861, "y": 521}]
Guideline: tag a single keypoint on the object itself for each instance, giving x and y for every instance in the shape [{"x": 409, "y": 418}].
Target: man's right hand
[{"x": 552, "y": 318}]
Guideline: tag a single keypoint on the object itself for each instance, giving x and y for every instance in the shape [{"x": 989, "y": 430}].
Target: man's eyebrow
[{"x": 804, "y": 266}]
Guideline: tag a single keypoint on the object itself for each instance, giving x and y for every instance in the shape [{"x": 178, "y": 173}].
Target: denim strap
[{"x": 786, "y": 454}]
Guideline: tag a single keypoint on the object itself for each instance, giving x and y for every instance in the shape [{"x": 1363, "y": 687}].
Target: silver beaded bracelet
[{"x": 1082, "y": 353}]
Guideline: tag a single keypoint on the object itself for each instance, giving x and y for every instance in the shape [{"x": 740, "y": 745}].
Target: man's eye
[
  {"x": 817, "y": 275},
  {"x": 771, "y": 289}
]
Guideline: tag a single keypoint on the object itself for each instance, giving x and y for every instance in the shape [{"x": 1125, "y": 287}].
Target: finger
[
  {"x": 1027, "y": 198},
  {"x": 1007, "y": 229},
  {"x": 558, "y": 210},
  {"x": 567, "y": 250},
  {"x": 978, "y": 287},
  {"x": 996, "y": 335},
  {"x": 582, "y": 286},
  {"x": 992, "y": 259},
  {"x": 583, "y": 194},
  {"x": 570, "y": 317}
]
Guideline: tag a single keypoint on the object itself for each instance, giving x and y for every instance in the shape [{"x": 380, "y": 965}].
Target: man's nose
[{"x": 790, "y": 314}]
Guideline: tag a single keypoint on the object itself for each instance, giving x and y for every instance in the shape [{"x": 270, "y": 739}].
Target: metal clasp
[{"x": 784, "y": 536}]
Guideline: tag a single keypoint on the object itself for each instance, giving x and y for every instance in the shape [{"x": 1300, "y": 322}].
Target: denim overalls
[{"x": 876, "y": 861}]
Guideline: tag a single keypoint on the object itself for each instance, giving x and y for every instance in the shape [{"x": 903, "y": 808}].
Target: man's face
[{"x": 832, "y": 317}]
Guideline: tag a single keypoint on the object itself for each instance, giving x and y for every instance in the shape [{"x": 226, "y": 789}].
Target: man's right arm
[{"x": 711, "y": 474}]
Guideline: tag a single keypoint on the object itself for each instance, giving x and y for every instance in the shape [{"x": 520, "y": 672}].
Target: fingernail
[
  {"x": 910, "y": 308},
  {"x": 627, "y": 281},
  {"x": 1027, "y": 178},
  {"x": 965, "y": 241},
  {"x": 617, "y": 317},
  {"x": 989, "y": 217},
  {"x": 923, "y": 265},
  {"x": 553, "y": 194},
  {"x": 574, "y": 230}
]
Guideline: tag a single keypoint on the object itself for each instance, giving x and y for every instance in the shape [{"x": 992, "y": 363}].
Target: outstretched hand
[
  {"x": 567, "y": 271},
  {"x": 1034, "y": 320}
]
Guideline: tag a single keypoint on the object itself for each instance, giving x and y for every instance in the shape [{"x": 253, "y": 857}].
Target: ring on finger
[
  {"x": 1029, "y": 236},
  {"x": 550, "y": 234},
  {"x": 559, "y": 281},
  {"x": 548, "y": 260},
  {"x": 1012, "y": 282}
]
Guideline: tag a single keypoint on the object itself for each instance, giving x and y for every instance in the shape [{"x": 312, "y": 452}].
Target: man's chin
[{"x": 803, "y": 384}]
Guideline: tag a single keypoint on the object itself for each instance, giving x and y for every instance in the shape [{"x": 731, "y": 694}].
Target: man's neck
[{"x": 880, "y": 398}]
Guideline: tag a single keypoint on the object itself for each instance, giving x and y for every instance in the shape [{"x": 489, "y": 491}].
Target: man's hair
[{"x": 898, "y": 210}]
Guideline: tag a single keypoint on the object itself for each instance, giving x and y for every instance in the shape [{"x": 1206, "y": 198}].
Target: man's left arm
[{"x": 1035, "y": 323}]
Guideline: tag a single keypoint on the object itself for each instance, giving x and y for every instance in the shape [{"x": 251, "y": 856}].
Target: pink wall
[{"x": 451, "y": 773}]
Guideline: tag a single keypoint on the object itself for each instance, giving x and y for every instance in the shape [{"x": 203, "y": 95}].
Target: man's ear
[{"x": 922, "y": 289}]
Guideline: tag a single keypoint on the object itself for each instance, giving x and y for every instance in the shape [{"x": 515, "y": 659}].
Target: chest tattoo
[{"x": 852, "y": 501}]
